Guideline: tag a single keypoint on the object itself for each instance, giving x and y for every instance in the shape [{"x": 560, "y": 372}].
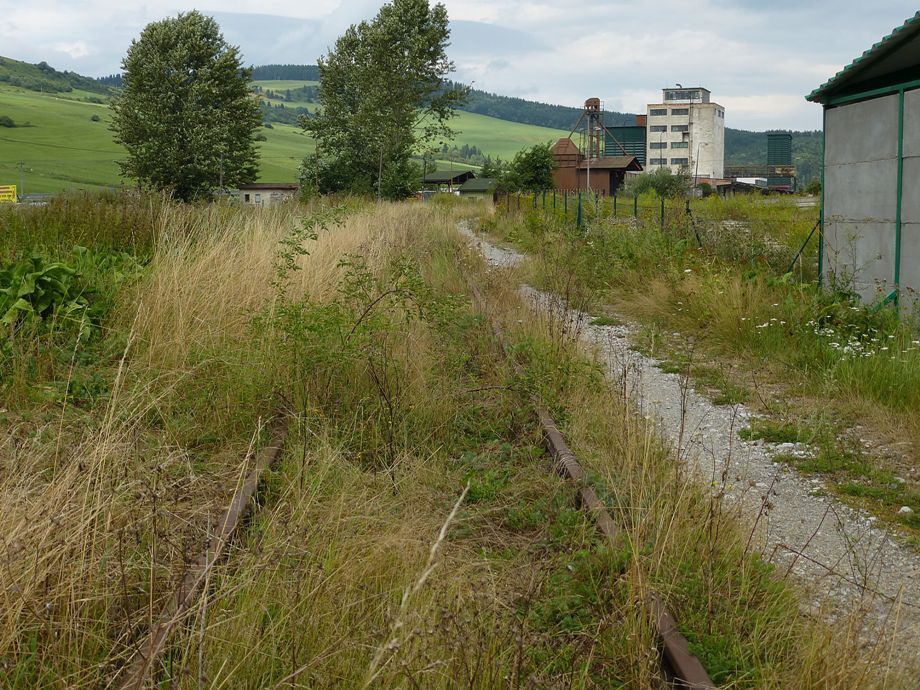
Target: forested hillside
[
  {"x": 285, "y": 72},
  {"x": 531, "y": 112},
  {"x": 741, "y": 146},
  {"x": 44, "y": 78}
]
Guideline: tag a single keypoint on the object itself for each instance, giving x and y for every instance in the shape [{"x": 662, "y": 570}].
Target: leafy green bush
[
  {"x": 663, "y": 182},
  {"x": 34, "y": 288}
]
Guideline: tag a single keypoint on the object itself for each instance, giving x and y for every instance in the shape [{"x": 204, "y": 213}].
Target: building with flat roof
[
  {"x": 686, "y": 131},
  {"x": 267, "y": 193}
]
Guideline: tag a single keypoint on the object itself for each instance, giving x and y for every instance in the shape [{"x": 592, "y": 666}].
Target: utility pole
[{"x": 22, "y": 185}]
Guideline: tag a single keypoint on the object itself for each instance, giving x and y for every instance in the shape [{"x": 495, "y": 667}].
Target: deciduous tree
[
  {"x": 383, "y": 96},
  {"x": 186, "y": 116},
  {"x": 531, "y": 170}
]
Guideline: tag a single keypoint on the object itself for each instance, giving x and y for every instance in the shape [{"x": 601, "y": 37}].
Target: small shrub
[
  {"x": 6, "y": 121},
  {"x": 95, "y": 118}
]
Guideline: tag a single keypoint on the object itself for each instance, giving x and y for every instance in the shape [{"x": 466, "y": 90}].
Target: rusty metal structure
[{"x": 588, "y": 165}]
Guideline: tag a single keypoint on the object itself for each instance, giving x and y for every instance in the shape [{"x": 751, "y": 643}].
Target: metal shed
[
  {"x": 871, "y": 204},
  {"x": 479, "y": 188},
  {"x": 450, "y": 179}
]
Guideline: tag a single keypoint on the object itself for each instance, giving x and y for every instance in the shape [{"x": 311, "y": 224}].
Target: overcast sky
[{"x": 758, "y": 57}]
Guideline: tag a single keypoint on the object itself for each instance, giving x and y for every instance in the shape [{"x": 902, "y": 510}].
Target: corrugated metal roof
[
  {"x": 612, "y": 162},
  {"x": 879, "y": 50}
]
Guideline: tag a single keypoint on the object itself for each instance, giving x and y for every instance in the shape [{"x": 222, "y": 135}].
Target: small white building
[
  {"x": 267, "y": 193},
  {"x": 686, "y": 130}
]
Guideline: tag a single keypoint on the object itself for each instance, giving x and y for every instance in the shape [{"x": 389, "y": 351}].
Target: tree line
[
  {"x": 189, "y": 123},
  {"x": 286, "y": 73}
]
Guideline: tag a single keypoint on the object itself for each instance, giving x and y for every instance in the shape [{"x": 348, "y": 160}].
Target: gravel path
[{"x": 842, "y": 559}]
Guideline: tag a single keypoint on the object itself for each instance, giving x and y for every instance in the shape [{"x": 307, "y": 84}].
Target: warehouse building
[
  {"x": 871, "y": 209},
  {"x": 600, "y": 174}
]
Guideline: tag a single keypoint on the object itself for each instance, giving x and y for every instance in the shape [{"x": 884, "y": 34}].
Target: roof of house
[
  {"x": 479, "y": 184},
  {"x": 895, "y": 54},
  {"x": 448, "y": 176},
  {"x": 612, "y": 163},
  {"x": 262, "y": 186},
  {"x": 565, "y": 145}
]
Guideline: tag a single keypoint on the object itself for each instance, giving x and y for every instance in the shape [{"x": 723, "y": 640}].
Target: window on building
[
  {"x": 658, "y": 161},
  {"x": 658, "y": 128},
  {"x": 680, "y": 128},
  {"x": 658, "y": 145},
  {"x": 655, "y": 112},
  {"x": 680, "y": 161},
  {"x": 258, "y": 198},
  {"x": 680, "y": 111},
  {"x": 680, "y": 144},
  {"x": 246, "y": 198}
]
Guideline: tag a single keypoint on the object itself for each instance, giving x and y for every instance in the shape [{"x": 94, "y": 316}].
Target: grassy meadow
[
  {"x": 412, "y": 534},
  {"x": 715, "y": 297},
  {"x": 63, "y": 148}
]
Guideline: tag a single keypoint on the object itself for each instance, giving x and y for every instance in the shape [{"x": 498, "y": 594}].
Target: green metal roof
[
  {"x": 897, "y": 38},
  {"x": 479, "y": 184},
  {"x": 448, "y": 176}
]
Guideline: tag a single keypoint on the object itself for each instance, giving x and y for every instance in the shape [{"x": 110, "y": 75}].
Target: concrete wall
[
  {"x": 860, "y": 195},
  {"x": 910, "y": 204}
]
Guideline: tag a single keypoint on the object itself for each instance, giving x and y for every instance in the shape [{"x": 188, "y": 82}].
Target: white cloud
[
  {"x": 75, "y": 50},
  {"x": 759, "y": 59}
]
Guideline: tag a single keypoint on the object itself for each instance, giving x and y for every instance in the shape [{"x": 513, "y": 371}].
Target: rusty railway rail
[
  {"x": 137, "y": 672},
  {"x": 680, "y": 666}
]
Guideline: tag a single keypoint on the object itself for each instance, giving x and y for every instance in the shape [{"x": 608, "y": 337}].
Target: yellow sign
[{"x": 7, "y": 194}]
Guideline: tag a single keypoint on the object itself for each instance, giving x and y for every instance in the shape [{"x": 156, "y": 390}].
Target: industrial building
[
  {"x": 686, "y": 131},
  {"x": 601, "y": 163},
  {"x": 778, "y": 174},
  {"x": 871, "y": 209}
]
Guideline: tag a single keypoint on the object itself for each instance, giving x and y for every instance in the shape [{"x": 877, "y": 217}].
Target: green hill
[
  {"x": 63, "y": 147},
  {"x": 45, "y": 79},
  {"x": 64, "y": 141},
  {"x": 60, "y": 128}
]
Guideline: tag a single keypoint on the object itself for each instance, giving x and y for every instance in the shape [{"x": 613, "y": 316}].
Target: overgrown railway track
[{"x": 679, "y": 666}]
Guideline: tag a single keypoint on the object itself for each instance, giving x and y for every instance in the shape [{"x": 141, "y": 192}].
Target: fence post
[
  {"x": 517, "y": 201},
  {"x": 614, "y": 205},
  {"x": 544, "y": 199},
  {"x": 662, "y": 212},
  {"x": 565, "y": 204},
  {"x": 554, "y": 198},
  {"x": 580, "y": 220},
  {"x": 636, "y": 206},
  {"x": 534, "y": 199}
]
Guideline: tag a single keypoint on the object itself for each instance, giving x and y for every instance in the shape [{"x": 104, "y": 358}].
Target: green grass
[
  {"x": 63, "y": 149},
  {"x": 499, "y": 138},
  {"x": 767, "y": 337},
  {"x": 282, "y": 84}
]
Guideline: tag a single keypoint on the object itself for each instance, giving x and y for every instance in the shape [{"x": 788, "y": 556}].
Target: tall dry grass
[{"x": 99, "y": 514}]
